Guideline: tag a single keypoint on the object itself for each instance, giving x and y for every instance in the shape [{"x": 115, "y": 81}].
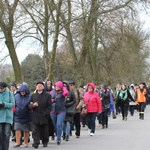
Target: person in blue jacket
[
  {"x": 7, "y": 102},
  {"x": 22, "y": 115}
]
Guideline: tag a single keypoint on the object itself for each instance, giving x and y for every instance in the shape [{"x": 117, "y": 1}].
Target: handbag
[
  {"x": 84, "y": 110},
  {"x": 71, "y": 110}
]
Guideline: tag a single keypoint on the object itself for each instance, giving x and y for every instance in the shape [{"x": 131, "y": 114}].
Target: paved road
[{"x": 133, "y": 134}]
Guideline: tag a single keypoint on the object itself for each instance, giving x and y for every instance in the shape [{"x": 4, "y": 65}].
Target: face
[
  {"x": 48, "y": 84},
  {"x": 40, "y": 87},
  {"x": 123, "y": 87},
  {"x": 141, "y": 86},
  {"x": 22, "y": 93},
  {"x": 90, "y": 89},
  {"x": 12, "y": 88},
  {"x": 57, "y": 88},
  {"x": 2, "y": 90},
  {"x": 72, "y": 86}
]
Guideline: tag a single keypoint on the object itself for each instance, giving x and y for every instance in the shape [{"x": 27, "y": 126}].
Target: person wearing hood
[
  {"x": 40, "y": 103},
  {"x": 7, "y": 102},
  {"x": 58, "y": 111},
  {"x": 70, "y": 111},
  {"x": 92, "y": 100},
  {"x": 22, "y": 115},
  {"x": 48, "y": 86}
]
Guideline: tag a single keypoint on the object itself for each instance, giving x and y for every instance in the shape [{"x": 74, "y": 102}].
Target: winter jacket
[
  {"x": 58, "y": 98},
  {"x": 92, "y": 99},
  {"x": 105, "y": 97},
  {"x": 70, "y": 106},
  {"x": 40, "y": 114},
  {"x": 6, "y": 113},
  {"x": 22, "y": 112}
]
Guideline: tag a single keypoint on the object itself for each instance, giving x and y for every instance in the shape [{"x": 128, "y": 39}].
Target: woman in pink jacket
[{"x": 92, "y": 99}]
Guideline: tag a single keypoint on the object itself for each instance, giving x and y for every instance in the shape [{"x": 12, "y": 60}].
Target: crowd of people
[{"x": 56, "y": 110}]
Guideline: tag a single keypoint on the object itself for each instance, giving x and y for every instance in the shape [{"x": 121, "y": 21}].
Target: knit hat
[
  {"x": 3, "y": 85},
  {"x": 59, "y": 84}
]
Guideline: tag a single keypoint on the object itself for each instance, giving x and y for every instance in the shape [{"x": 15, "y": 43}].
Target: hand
[
  {"x": 137, "y": 103},
  {"x": 1, "y": 105},
  {"x": 78, "y": 107},
  {"x": 35, "y": 104}
]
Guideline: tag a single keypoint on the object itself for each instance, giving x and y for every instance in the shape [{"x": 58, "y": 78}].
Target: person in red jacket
[{"x": 92, "y": 100}]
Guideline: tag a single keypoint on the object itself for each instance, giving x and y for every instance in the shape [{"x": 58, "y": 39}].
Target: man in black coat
[{"x": 40, "y": 104}]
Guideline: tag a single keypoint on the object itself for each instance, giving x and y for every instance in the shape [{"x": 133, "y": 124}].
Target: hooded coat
[
  {"x": 23, "y": 112},
  {"x": 92, "y": 99}
]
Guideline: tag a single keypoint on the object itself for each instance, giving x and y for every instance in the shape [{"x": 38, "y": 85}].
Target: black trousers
[
  {"x": 77, "y": 123},
  {"x": 40, "y": 132},
  {"x": 124, "y": 108}
]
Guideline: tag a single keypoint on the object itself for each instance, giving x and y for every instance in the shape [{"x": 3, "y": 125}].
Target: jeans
[
  {"x": 91, "y": 117},
  {"x": 58, "y": 120},
  {"x": 5, "y": 129},
  {"x": 66, "y": 128}
]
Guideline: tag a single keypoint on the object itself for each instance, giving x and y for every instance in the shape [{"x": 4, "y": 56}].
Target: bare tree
[{"x": 7, "y": 11}]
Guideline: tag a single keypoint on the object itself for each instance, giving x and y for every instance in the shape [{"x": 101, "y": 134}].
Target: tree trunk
[{"x": 12, "y": 52}]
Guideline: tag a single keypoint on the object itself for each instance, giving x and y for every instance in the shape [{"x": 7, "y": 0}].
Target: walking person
[
  {"x": 22, "y": 115},
  {"x": 92, "y": 100},
  {"x": 40, "y": 103},
  {"x": 124, "y": 96},
  {"x": 141, "y": 100},
  {"x": 105, "y": 99},
  {"x": 70, "y": 111},
  {"x": 7, "y": 102},
  {"x": 58, "y": 111},
  {"x": 131, "y": 103},
  {"x": 78, "y": 106}
]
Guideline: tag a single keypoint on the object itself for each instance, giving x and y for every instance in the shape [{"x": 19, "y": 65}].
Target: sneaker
[
  {"x": 89, "y": 131},
  {"x": 77, "y": 136},
  {"x": 91, "y": 134}
]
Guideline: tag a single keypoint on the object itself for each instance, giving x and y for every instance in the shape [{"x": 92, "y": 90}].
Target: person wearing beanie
[
  {"x": 58, "y": 111},
  {"x": 7, "y": 102},
  {"x": 40, "y": 104},
  {"x": 93, "y": 102}
]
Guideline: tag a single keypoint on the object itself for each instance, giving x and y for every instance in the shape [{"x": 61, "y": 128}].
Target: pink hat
[{"x": 59, "y": 84}]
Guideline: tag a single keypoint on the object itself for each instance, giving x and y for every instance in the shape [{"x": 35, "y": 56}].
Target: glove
[{"x": 1, "y": 105}]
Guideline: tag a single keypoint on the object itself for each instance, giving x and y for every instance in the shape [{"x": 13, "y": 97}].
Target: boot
[
  {"x": 64, "y": 135},
  {"x": 67, "y": 138}
]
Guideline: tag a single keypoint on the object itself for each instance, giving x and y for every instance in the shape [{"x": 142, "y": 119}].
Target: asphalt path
[{"x": 133, "y": 134}]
